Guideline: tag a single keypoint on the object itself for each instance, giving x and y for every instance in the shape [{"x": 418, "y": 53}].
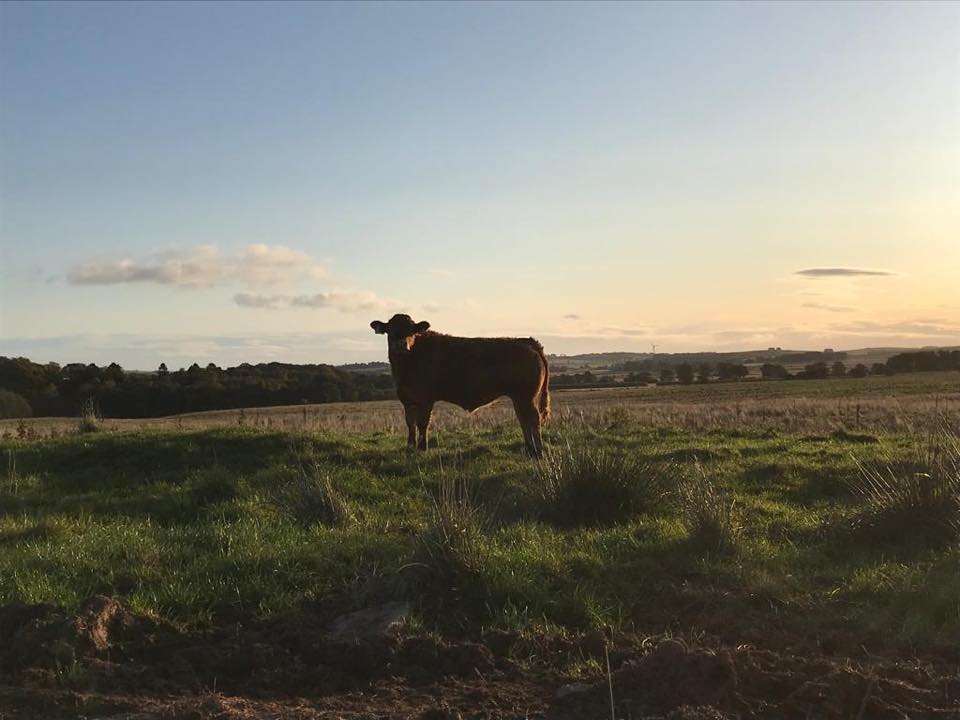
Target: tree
[
  {"x": 685, "y": 373},
  {"x": 859, "y": 370},
  {"x": 704, "y": 371},
  {"x": 770, "y": 371},
  {"x": 878, "y": 369},
  {"x": 814, "y": 371},
  {"x": 13, "y": 405},
  {"x": 162, "y": 370},
  {"x": 838, "y": 369},
  {"x": 666, "y": 375},
  {"x": 114, "y": 372},
  {"x": 731, "y": 371}
]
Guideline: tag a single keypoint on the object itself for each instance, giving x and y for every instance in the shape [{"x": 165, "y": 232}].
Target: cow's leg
[
  {"x": 529, "y": 417},
  {"x": 423, "y": 423},
  {"x": 410, "y": 414}
]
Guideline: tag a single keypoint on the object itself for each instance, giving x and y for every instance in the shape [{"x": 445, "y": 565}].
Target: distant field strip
[{"x": 876, "y": 404}]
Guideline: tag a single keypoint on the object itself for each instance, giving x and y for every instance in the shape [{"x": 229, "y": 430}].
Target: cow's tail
[{"x": 543, "y": 402}]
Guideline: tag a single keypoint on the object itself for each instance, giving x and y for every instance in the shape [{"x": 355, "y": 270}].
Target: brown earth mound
[
  {"x": 695, "y": 682},
  {"x": 104, "y": 661}
]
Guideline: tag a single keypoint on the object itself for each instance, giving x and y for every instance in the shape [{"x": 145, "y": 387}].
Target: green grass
[{"x": 187, "y": 526}]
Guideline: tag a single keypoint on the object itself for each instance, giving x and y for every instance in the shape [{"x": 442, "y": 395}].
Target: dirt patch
[
  {"x": 683, "y": 682},
  {"x": 104, "y": 661}
]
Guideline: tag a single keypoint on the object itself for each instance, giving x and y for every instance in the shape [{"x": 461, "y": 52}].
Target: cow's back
[{"x": 472, "y": 372}]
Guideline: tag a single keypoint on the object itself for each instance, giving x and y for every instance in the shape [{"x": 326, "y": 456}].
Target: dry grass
[
  {"x": 920, "y": 498},
  {"x": 807, "y": 407},
  {"x": 453, "y": 545},
  {"x": 708, "y": 512},
  {"x": 311, "y": 497},
  {"x": 90, "y": 420},
  {"x": 579, "y": 482}
]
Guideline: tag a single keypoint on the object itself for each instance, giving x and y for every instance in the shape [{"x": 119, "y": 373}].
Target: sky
[{"x": 188, "y": 182}]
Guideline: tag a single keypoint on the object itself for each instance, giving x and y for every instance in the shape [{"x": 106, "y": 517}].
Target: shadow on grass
[{"x": 119, "y": 460}]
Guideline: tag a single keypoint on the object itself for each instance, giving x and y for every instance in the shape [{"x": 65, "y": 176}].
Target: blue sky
[{"x": 247, "y": 182}]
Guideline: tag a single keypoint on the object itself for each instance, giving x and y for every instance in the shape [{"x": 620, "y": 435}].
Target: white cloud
[
  {"x": 202, "y": 267},
  {"x": 274, "y": 264},
  {"x": 197, "y": 267},
  {"x": 346, "y": 301},
  {"x": 265, "y": 302},
  {"x": 441, "y": 272}
]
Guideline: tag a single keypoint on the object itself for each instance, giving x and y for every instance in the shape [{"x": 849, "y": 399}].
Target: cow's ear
[
  {"x": 379, "y": 327},
  {"x": 421, "y": 327}
]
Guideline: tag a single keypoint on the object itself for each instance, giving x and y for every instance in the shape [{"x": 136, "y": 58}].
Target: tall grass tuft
[
  {"x": 920, "y": 498},
  {"x": 708, "y": 513},
  {"x": 453, "y": 545},
  {"x": 90, "y": 420},
  {"x": 312, "y": 497},
  {"x": 578, "y": 483}
]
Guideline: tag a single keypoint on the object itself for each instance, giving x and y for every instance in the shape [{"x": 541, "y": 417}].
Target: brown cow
[{"x": 469, "y": 372}]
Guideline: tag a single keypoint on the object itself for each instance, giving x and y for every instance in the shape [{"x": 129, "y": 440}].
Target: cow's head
[{"x": 401, "y": 332}]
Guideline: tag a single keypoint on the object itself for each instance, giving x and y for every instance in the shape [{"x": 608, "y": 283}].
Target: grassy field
[
  {"x": 200, "y": 526},
  {"x": 698, "y": 513}
]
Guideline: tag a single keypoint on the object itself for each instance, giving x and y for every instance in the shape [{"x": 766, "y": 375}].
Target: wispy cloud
[
  {"x": 571, "y": 316},
  {"x": 197, "y": 267},
  {"x": 918, "y": 328},
  {"x": 840, "y": 272},
  {"x": 146, "y": 352},
  {"x": 275, "y": 264},
  {"x": 346, "y": 301},
  {"x": 830, "y": 308},
  {"x": 441, "y": 272},
  {"x": 203, "y": 266},
  {"x": 263, "y": 302},
  {"x": 624, "y": 331}
]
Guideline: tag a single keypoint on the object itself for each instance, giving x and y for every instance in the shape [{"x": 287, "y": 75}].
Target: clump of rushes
[
  {"x": 579, "y": 483},
  {"x": 89, "y": 417},
  {"x": 919, "y": 500},
  {"x": 312, "y": 497},
  {"x": 708, "y": 513},
  {"x": 453, "y": 545}
]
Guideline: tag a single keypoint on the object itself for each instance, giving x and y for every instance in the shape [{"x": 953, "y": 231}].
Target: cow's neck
[{"x": 401, "y": 365}]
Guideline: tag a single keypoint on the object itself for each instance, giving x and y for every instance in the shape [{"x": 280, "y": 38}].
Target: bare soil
[{"x": 105, "y": 662}]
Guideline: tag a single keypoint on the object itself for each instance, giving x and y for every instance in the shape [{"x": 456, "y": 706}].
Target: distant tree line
[
  {"x": 28, "y": 388},
  {"x": 644, "y": 372}
]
